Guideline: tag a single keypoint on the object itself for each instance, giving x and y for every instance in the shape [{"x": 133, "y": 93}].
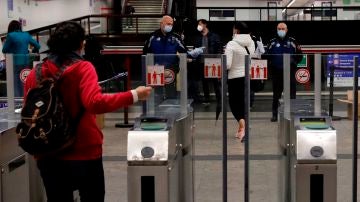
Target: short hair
[
  {"x": 14, "y": 25},
  {"x": 67, "y": 37},
  {"x": 242, "y": 27},
  {"x": 203, "y": 21}
]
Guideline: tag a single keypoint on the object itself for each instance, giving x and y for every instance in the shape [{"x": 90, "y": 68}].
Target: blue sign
[{"x": 343, "y": 69}]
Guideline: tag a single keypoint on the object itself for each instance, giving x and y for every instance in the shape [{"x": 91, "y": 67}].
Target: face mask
[
  {"x": 200, "y": 28},
  {"x": 281, "y": 33},
  {"x": 167, "y": 28}
]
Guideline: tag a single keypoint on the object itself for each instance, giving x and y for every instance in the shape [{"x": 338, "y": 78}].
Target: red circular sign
[
  {"x": 23, "y": 74},
  {"x": 169, "y": 76},
  {"x": 302, "y": 75}
]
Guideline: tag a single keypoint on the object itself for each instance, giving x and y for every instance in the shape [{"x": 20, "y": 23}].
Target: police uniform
[
  {"x": 162, "y": 45},
  {"x": 276, "y": 48}
]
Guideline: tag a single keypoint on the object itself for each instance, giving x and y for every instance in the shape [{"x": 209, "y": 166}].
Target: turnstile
[
  {"x": 299, "y": 131},
  {"x": 19, "y": 179},
  {"x": 315, "y": 169},
  {"x": 160, "y": 161}
]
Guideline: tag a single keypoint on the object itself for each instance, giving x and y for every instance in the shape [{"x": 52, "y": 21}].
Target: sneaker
[{"x": 273, "y": 119}]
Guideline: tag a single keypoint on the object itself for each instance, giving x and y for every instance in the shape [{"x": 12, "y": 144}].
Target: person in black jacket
[
  {"x": 278, "y": 46},
  {"x": 211, "y": 45}
]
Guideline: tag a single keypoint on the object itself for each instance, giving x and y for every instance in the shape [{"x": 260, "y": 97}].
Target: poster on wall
[
  {"x": 343, "y": 69},
  {"x": 10, "y": 8}
]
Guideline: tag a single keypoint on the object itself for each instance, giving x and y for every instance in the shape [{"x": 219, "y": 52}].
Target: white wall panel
[{"x": 44, "y": 12}]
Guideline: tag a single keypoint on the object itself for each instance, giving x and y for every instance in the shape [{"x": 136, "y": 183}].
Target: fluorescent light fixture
[
  {"x": 291, "y": 3},
  {"x": 288, "y": 5}
]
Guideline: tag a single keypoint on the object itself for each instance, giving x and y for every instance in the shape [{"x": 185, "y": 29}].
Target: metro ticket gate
[
  {"x": 160, "y": 167},
  {"x": 19, "y": 177},
  {"x": 314, "y": 173}
]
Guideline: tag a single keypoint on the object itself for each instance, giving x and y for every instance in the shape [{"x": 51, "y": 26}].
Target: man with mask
[
  {"x": 282, "y": 44},
  {"x": 212, "y": 45},
  {"x": 164, "y": 41}
]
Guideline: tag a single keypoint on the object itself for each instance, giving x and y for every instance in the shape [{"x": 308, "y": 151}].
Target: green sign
[
  {"x": 303, "y": 62},
  {"x": 346, "y": 2}
]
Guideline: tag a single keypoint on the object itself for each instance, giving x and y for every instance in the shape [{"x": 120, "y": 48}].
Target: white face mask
[
  {"x": 200, "y": 28},
  {"x": 167, "y": 28}
]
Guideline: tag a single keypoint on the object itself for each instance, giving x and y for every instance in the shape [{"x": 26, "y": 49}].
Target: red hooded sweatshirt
[{"x": 79, "y": 87}]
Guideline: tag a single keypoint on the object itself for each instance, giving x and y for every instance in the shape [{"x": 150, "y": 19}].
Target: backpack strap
[
  {"x": 247, "y": 50},
  {"x": 57, "y": 75},
  {"x": 38, "y": 75}
]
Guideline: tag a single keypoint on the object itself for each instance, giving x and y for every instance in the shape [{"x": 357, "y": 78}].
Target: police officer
[
  {"x": 282, "y": 44},
  {"x": 166, "y": 44}
]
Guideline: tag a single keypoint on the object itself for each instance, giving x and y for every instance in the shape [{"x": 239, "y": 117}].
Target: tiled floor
[{"x": 265, "y": 168}]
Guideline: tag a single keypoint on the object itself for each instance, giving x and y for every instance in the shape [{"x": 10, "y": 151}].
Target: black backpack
[{"x": 46, "y": 127}]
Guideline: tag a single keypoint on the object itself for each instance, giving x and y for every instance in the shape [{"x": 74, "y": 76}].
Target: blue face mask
[
  {"x": 167, "y": 28},
  {"x": 281, "y": 33}
]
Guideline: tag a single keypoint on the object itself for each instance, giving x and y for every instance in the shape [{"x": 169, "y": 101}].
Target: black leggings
[
  {"x": 237, "y": 97},
  {"x": 62, "y": 177}
]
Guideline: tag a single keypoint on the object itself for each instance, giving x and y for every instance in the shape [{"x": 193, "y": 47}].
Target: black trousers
[
  {"x": 237, "y": 97},
  {"x": 62, "y": 177},
  {"x": 278, "y": 87}
]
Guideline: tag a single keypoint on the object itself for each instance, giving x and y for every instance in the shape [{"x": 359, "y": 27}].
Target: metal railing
[{"x": 279, "y": 13}]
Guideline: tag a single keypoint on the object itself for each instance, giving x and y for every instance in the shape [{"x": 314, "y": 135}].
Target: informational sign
[
  {"x": 155, "y": 75},
  {"x": 342, "y": 65},
  {"x": 303, "y": 62},
  {"x": 10, "y": 8},
  {"x": 302, "y": 75},
  {"x": 258, "y": 69},
  {"x": 212, "y": 68},
  {"x": 24, "y": 74},
  {"x": 169, "y": 76}
]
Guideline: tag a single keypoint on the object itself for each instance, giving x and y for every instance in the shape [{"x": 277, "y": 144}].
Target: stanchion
[
  {"x": 331, "y": 95},
  {"x": 127, "y": 86},
  {"x": 355, "y": 128}
]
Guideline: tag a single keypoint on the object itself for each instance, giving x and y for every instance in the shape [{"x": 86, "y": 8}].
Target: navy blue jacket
[
  {"x": 158, "y": 43},
  {"x": 214, "y": 43},
  {"x": 277, "y": 47}
]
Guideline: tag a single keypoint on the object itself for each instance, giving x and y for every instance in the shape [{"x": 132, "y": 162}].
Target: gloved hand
[
  {"x": 196, "y": 52},
  {"x": 260, "y": 47}
]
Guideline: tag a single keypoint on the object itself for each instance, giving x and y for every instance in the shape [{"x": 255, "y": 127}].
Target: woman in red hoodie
[{"x": 80, "y": 167}]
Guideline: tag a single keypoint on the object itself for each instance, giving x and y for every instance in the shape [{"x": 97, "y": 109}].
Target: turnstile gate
[
  {"x": 19, "y": 179},
  {"x": 160, "y": 161},
  {"x": 315, "y": 171}
]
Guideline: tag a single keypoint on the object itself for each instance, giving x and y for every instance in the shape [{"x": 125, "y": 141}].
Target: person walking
[
  {"x": 79, "y": 167},
  {"x": 282, "y": 44},
  {"x": 235, "y": 51}
]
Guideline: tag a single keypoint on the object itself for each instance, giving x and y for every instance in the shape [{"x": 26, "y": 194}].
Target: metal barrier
[
  {"x": 315, "y": 169},
  {"x": 17, "y": 169},
  {"x": 160, "y": 158}
]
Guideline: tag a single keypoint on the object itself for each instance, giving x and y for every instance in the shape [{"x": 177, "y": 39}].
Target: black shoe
[{"x": 273, "y": 119}]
